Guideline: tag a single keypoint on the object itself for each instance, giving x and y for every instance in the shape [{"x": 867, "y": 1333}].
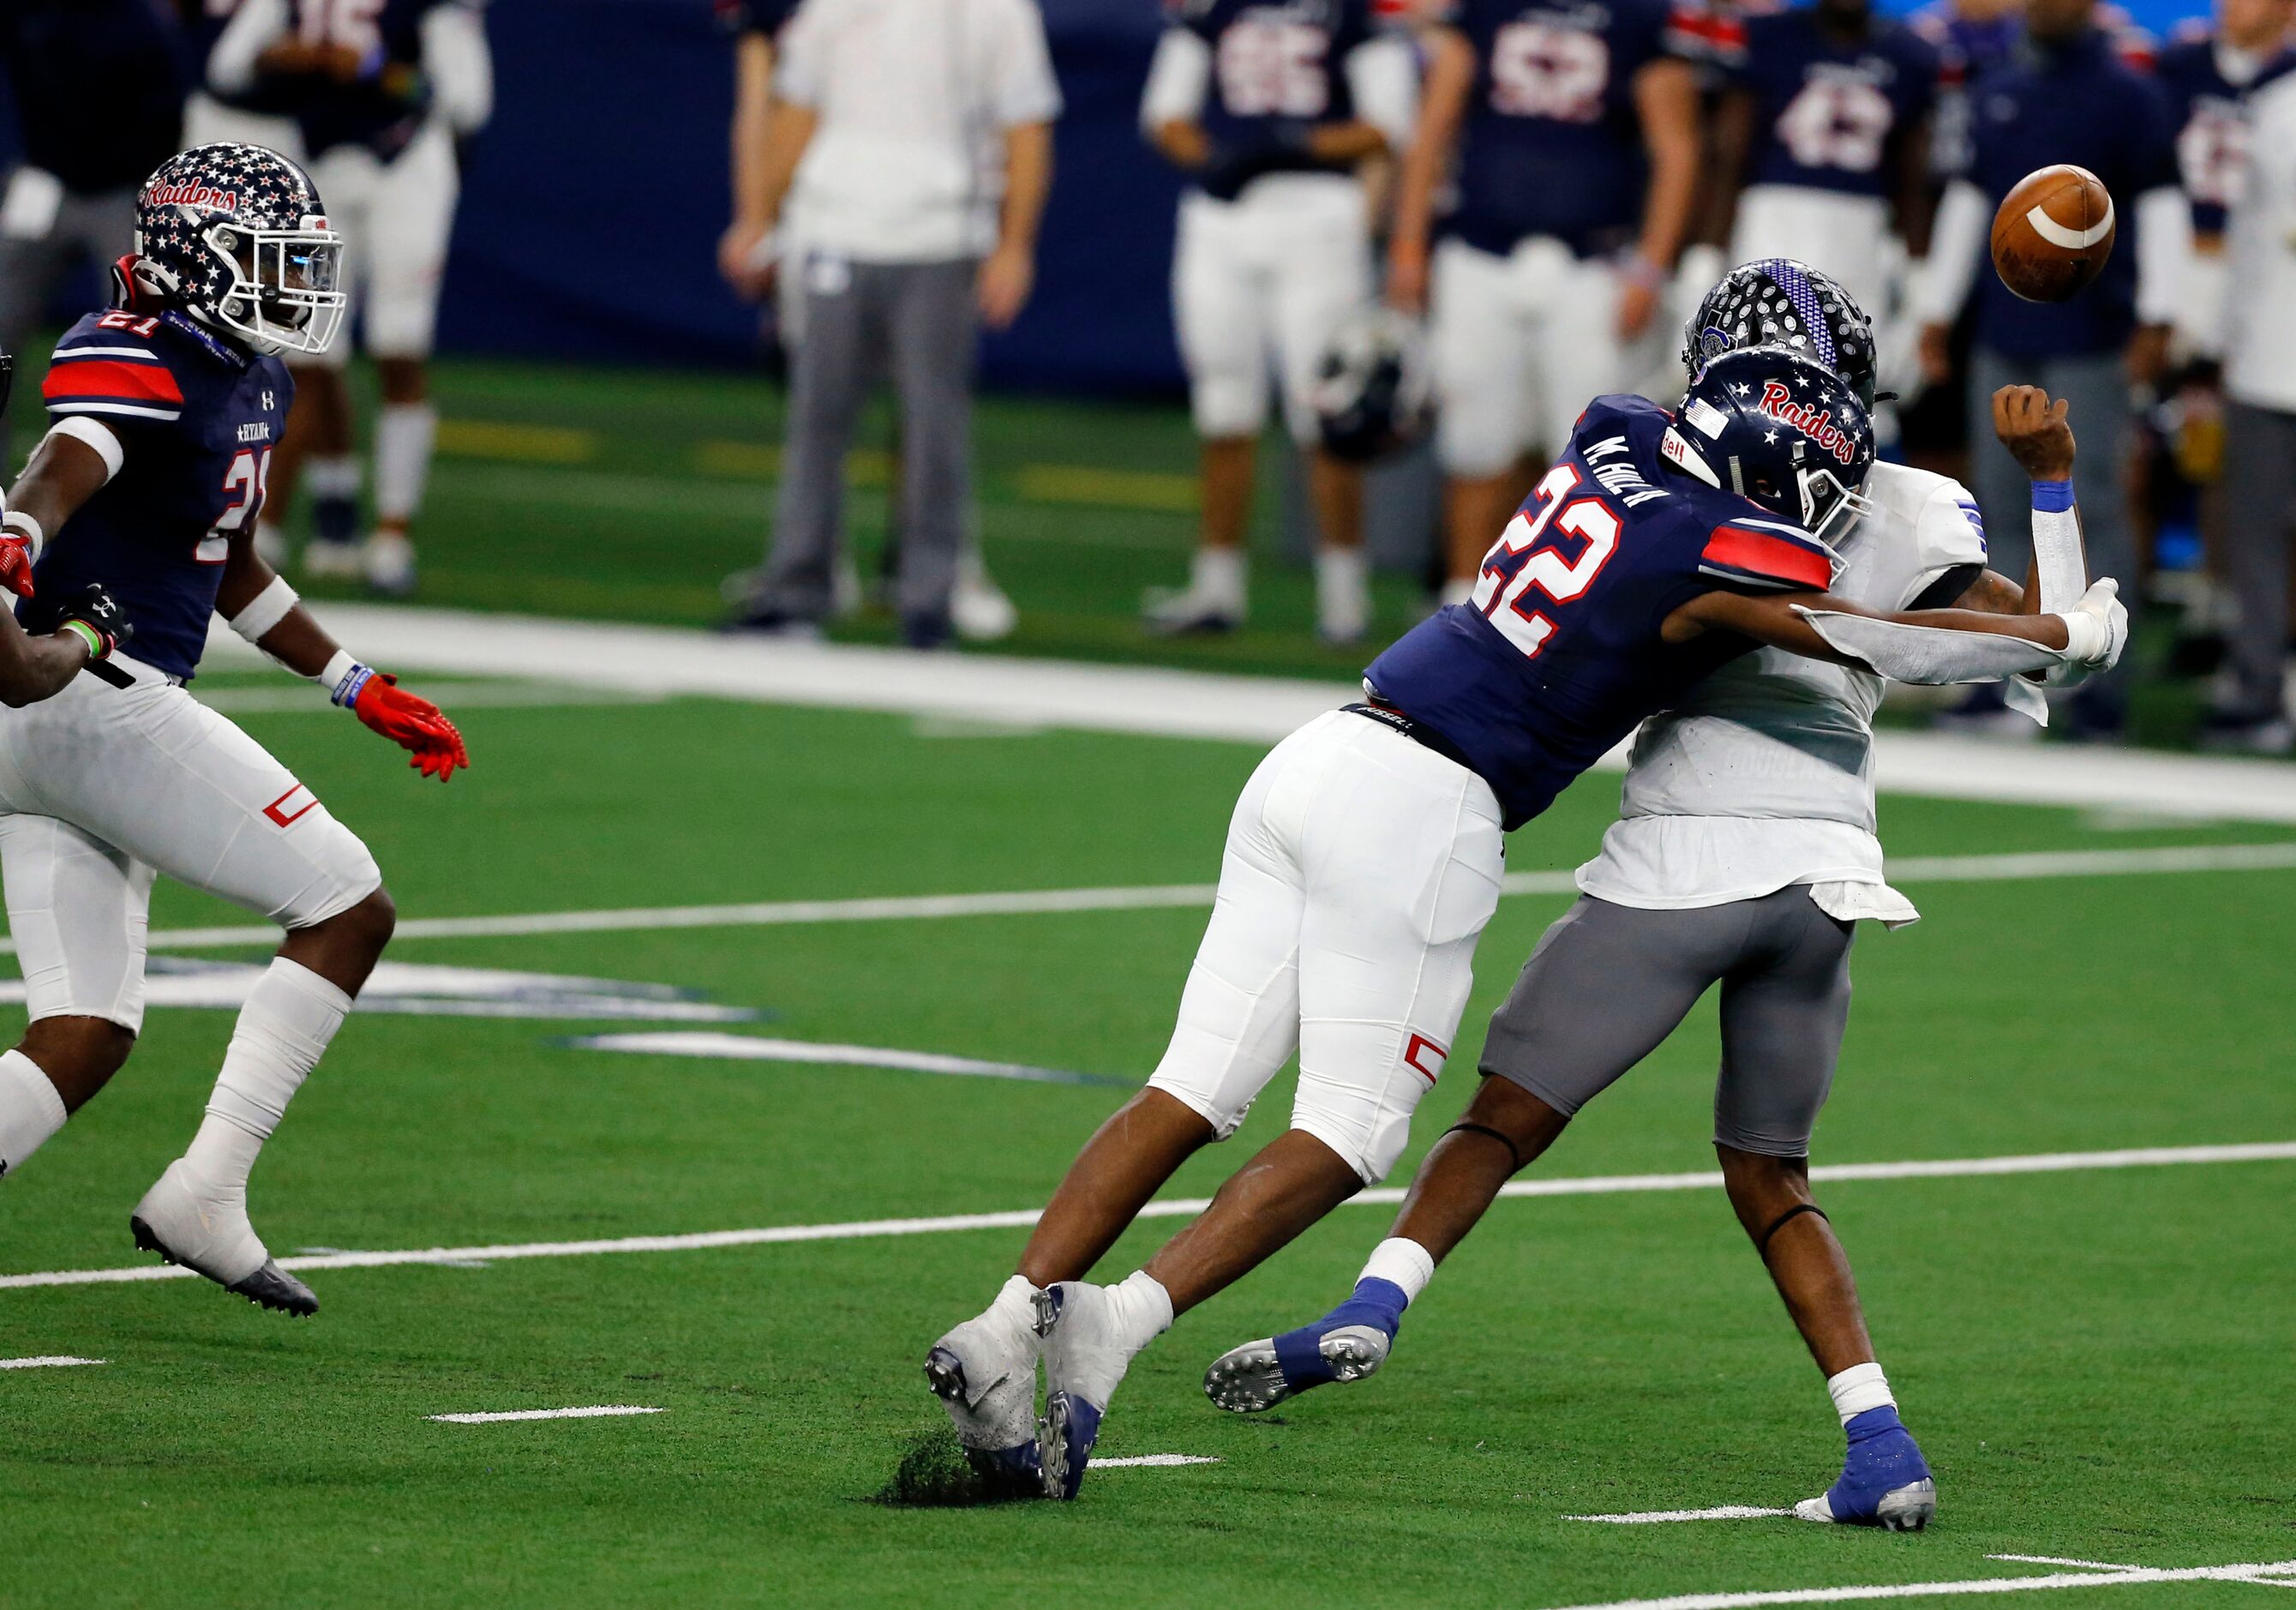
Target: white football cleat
[
  {"x": 391, "y": 563},
  {"x": 335, "y": 560},
  {"x": 979, "y": 609},
  {"x": 984, "y": 1372},
  {"x": 209, "y": 1235}
]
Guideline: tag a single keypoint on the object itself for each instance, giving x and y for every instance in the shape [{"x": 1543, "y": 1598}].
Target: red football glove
[
  {"x": 15, "y": 565},
  {"x": 413, "y": 724}
]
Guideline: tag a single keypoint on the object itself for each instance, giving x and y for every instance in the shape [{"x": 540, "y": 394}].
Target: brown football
[{"x": 2053, "y": 233}]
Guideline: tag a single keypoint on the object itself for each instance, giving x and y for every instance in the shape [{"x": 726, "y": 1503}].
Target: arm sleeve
[
  {"x": 2164, "y": 254},
  {"x": 252, "y": 29},
  {"x": 461, "y": 68},
  {"x": 1026, "y": 90},
  {"x": 1383, "y": 77},
  {"x": 1956, "y": 244},
  {"x": 1929, "y": 655},
  {"x": 2057, "y": 546},
  {"x": 1179, "y": 77}
]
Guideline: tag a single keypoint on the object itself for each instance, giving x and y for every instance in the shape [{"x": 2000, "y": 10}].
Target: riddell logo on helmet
[
  {"x": 1818, "y": 425},
  {"x": 204, "y": 196}
]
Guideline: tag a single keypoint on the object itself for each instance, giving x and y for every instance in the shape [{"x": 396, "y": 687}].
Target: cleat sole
[
  {"x": 1908, "y": 1508},
  {"x": 944, "y": 1374}
]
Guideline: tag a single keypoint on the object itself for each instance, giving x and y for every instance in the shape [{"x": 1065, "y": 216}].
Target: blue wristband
[
  {"x": 348, "y": 691},
  {"x": 2051, "y": 497}
]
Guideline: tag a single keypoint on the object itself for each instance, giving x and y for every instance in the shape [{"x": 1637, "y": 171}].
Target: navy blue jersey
[
  {"x": 1551, "y": 144},
  {"x": 1279, "y": 68},
  {"x": 98, "y": 88},
  {"x": 197, "y": 418},
  {"x": 384, "y": 107},
  {"x": 1825, "y": 112},
  {"x": 1559, "y": 656},
  {"x": 2209, "y": 114},
  {"x": 2077, "y": 103},
  {"x": 766, "y": 17}
]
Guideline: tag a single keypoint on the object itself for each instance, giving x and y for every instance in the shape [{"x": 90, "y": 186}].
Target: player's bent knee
[{"x": 1227, "y": 407}]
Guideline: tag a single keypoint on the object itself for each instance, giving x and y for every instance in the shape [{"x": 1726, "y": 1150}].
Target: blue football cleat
[
  {"x": 1346, "y": 1345},
  {"x": 1884, "y": 1481}
]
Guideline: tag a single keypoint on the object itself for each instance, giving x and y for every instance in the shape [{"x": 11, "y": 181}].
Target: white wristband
[
  {"x": 26, "y": 527},
  {"x": 338, "y": 668},
  {"x": 265, "y": 610}
]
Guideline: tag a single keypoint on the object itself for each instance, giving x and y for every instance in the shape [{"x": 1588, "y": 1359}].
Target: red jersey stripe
[
  {"x": 1763, "y": 554},
  {"x": 109, "y": 377}
]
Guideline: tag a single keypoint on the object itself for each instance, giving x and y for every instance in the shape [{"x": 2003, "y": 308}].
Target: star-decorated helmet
[
  {"x": 1773, "y": 425},
  {"x": 237, "y": 237},
  {"x": 1775, "y": 301}
]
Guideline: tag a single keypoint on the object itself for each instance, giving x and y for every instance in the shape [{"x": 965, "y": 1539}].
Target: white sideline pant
[
  {"x": 1264, "y": 282},
  {"x": 1847, "y": 236},
  {"x": 1360, "y": 870},
  {"x": 1520, "y": 344},
  {"x": 395, "y": 218},
  {"x": 101, "y": 787}
]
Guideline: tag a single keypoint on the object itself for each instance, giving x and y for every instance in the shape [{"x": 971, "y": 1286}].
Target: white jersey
[
  {"x": 1763, "y": 775},
  {"x": 2260, "y": 336}
]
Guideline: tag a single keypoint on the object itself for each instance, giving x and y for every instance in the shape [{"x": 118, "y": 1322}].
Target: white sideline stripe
[
  {"x": 2044, "y": 1162},
  {"x": 292, "y": 701},
  {"x": 1039, "y": 902},
  {"x": 50, "y": 1361},
  {"x": 744, "y": 1048},
  {"x": 2277, "y": 1573},
  {"x": 1157, "y": 1461},
  {"x": 599, "y": 1412},
  {"x": 2051, "y": 1560},
  {"x": 1651, "y": 1517}
]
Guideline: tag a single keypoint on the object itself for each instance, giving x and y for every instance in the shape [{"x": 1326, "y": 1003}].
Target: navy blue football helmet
[
  {"x": 1780, "y": 428},
  {"x": 1776, "y": 301},
  {"x": 237, "y": 237}
]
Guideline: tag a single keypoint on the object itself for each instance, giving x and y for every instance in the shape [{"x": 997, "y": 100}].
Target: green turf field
[{"x": 2097, "y": 1362}]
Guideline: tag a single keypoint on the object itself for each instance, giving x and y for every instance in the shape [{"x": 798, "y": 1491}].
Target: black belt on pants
[{"x": 1418, "y": 732}]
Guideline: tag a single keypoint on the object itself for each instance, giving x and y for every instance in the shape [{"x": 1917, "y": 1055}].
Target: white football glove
[{"x": 2096, "y": 631}]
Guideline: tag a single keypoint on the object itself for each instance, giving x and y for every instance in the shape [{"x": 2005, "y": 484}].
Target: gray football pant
[
  {"x": 95, "y": 229},
  {"x": 918, "y": 322},
  {"x": 1609, "y": 982},
  {"x": 2259, "y": 493},
  {"x": 2098, "y": 390}
]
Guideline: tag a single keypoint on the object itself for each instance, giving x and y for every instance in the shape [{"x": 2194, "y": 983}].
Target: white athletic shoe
[
  {"x": 984, "y": 1372},
  {"x": 391, "y": 563},
  {"x": 335, "y": 560},
  {"x": 1085, "y": 1356},
  {"x": 210, "y": 1236},
  {"x": 1189, "y": 613},
  {"x": 979, "y": 608}
]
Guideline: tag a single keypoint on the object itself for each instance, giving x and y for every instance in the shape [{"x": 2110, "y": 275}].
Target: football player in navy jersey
[
  {"x": 384, "y": 95},
  {"x": 1271, "y": 107},
  {"x": 1364, "y": 855},
  {"x": 1822, "y": 143},
  {"x": 168, "y": 409},
  {"x": 1566, "y": 133}
]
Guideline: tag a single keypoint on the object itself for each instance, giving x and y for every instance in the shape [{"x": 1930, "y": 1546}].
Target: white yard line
[
  {"x": 295, "y": 700},
  {"x": 2051, "y": 1560},
  {"x": 51, "y": 1361},
  {"x": 603, "y": 1411},
  {"x": 2277, "y": 1573},
  {"x": 2045, "y": 1163},
  {"x": 1653, "y": 1517},
  {"x": 744, "y": 1048},
  {"x": 1146, "y": 896},
  {"x": 1153, "y": 1461},
  {"x": 1193, "y": 704}
]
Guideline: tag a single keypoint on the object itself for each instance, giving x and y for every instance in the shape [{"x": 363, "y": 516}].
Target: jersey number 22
[{"x": 1520, "y": 565}]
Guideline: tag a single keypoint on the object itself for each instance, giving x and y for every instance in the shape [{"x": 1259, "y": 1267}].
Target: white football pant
[
  {"x": 1360, "y": 869},
  {"x": 1260, "y": 284},
  {"x": 101, "y": 787},
  {"x": 1520, "y": 344},
  {"x": 207, "y": 121},
  {"x": 1846, "y": 237},
  {"x": 395, "y": 218}
]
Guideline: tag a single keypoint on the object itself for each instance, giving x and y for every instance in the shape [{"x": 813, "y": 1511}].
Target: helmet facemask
[{"x": 286, "y": 290}]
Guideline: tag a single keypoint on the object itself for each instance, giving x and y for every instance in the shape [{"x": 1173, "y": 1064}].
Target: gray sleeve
[{"x": 1929, "y": 654}]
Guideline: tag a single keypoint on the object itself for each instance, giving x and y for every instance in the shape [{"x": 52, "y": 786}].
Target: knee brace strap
[
  {"x": 1515, "y": 1153},
  {"x": 1762, "y": 1242}
]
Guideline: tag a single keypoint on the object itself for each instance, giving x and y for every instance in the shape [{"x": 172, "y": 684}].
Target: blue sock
[{"x": 1377, "y": 1303}]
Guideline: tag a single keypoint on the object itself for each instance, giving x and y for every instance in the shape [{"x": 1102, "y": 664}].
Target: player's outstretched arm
[
  {"x": 257, "y": 604},
  {"x": 66, "y": 471},
  {"x": 1929, "y": 647}
]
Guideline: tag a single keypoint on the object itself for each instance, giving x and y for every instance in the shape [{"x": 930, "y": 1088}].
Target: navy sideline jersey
[
  {"x": 199, "y": 419},
  {"x": 1826, "y": 111},
  {"x": 1560, "y": 656},
  {"x": 1279, "y": 68},
  {"x": 2210, "y": 114},
  {"x": 1551, "y": 144},
  {"x": 204, "y": 22},
  {"x": 384, "y": 109},
  {"x": 98, "y": 88},
  {"x": 2077, "y": 103}
]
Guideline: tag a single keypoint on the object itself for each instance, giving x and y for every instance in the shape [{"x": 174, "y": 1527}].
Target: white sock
[
  {"x": 1859, "y": 1388},
  {"x": 1402, "y": 1260},
  {"x": 403, "y": 439},
  {"x": 1144, "y": 1308},
  {"x": 30, "y": 1110},
  {"x": 1342, "y": 598},
  {"x": 290, "y": 1016},
  {"x": 1016, "y": 1300},
  {"x": 1219, "y": 578}
]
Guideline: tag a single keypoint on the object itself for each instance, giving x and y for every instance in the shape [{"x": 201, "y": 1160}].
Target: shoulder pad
[
  {"x": 112, "y": 364},
  {"x": 1767, "y": 555}
]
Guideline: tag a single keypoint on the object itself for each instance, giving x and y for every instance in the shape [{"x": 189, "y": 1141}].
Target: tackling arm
[{"x": 1929, "y": 647}]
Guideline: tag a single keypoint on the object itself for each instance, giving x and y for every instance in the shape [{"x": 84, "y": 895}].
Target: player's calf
[{"x": 53, "y": 1071}]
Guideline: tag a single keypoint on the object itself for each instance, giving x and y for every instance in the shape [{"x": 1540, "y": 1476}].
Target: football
[{"x": 2054, "y": 234}]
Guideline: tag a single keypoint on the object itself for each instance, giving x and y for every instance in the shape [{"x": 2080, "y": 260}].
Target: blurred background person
[
  {"x": 1821, "y": 144},
  {"x": 382, "y": 93},
  {"x": 2064, "y": 95},
  {"x": 2260, "y": 464},
  {"x": 745, "y": 255},
  {"x": 1569, "y": 136},
  {"x": 1272, "y": 110},
  {"x": 99, "y": 96},
  {"x": 261, "y": 114},
  {"x": 907, "y": 162}
]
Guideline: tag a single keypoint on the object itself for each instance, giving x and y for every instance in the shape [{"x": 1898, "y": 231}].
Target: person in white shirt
[
  {"x": 907, "y": 162},
  {"x": 1744, "y": 855}
]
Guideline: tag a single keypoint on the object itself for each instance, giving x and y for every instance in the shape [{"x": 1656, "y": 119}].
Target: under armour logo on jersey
[{"x": 270, "y": 401}]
